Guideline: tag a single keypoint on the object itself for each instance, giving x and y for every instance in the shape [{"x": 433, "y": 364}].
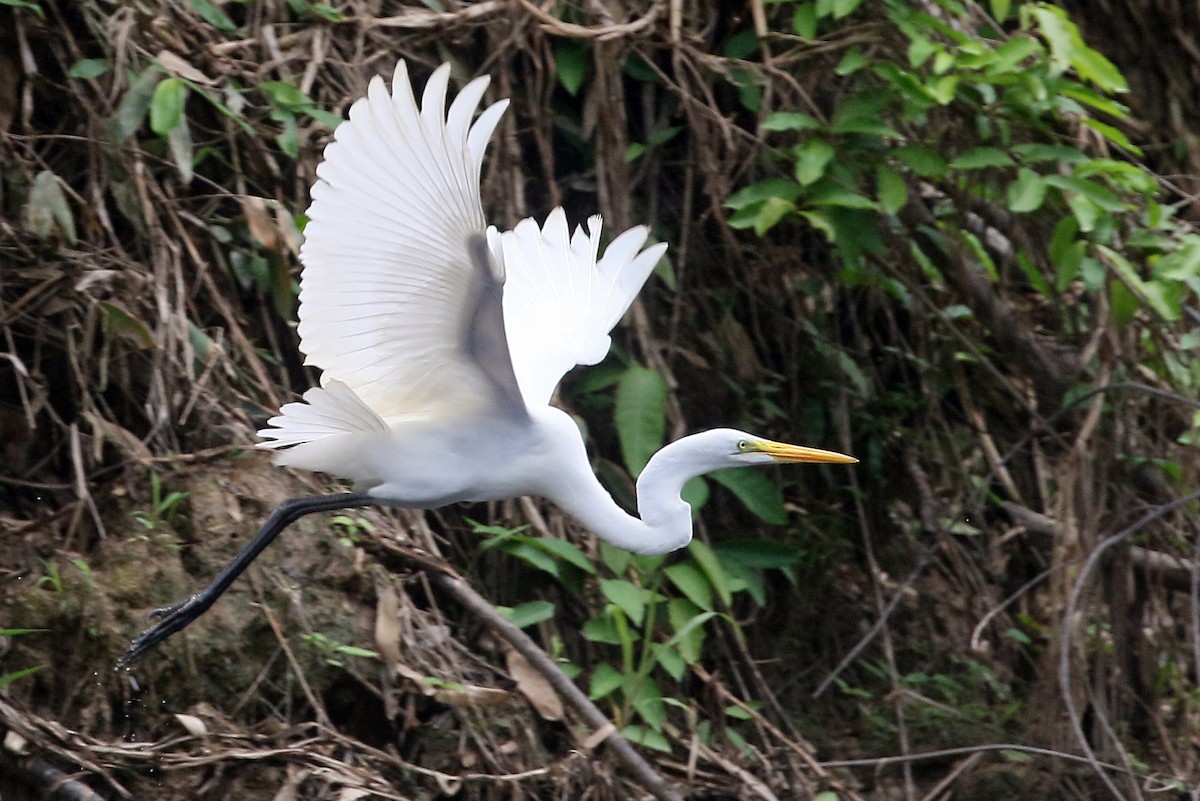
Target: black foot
[{"x": 170, "y": 619}]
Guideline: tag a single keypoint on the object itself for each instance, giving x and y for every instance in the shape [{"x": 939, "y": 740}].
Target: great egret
[{"x": 442, "y": 340}]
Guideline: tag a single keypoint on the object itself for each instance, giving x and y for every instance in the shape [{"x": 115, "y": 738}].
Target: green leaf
[
  {"x": 1000, "y": 12},
  {"x": 746, "y": 578},
  {"x": 135, "y": 103},
  {"x": 767, "y": 214},
  {"x": 687, "y": 621},
  {"x": 36, "y": 9},
  {"x": 1095, "y": 67},
  {"x": 288, "y": 139},
  {"x": 692, "y": 583},
  {"x": 213, "y": 15},
  {"x": 1027, "y": 192},
  {"x": 670, "y": 660},
  {"x": 9, "y": 678},
  {"x": 88, "y": 68},
  {"x": 685, "y": 629},
  {"x": 944, "y": 89},
  {"x": 646, "y": 737},
  {"x": 982, "y": 158},
  {"x": 864, "y": 113},
  {"x": 1053, "y": 24},
  {"x": 1068, "y": 49},
  {"x": 640, "y": 416},
  {"x": 921, "y": 160},
  {"x": 920, "y": 48},
  {"x": 1036, "y": 152},
  {"x": 1152, "y": 293},
  {"x": 891, "y": 188},
  {"x": 605, "y": 680},
  {"x": 1100, "y": 195},
  {"x": 812, "y": 158},
  {"x": 841, "y": 198},
  {"x": 1085, "y": 211},
  {"x": 1112, "y": 134},
  {"x": 570, "y": 64},
  {"x": 755, "y": 491},
  {"x": 285, "y": 96},
  {"x": 628, "y": 597},
  {"x": 842, "y": 8},
  {"x": 326, "y": 12},
  {"x": 1008, "y": 57},
  {"x": 789, "y": 121},
  {"x": 354, "y": 650},
  {"x": 526, "y": 551},
  {"x": 529, "y": 613},
  {"x": 615, "y": 559},
  {"x": 851, "y": 62},
  {"x": 566, "y": 552},
  {"x": 117, "y": 322},
  {"x": 1183, "y": 264},
  {"x": 742, "y": 44},
  {"x": 764, "y": 190},
  {"x": 712, "y": 569},
  {"x": 647, "y": 700},
  {"x": 758, "y": 553},
  {"x": 1124, "y": 304},
  {"x": 166, "y": 107},
  {"x": 601, "y": 629},
  {"x": 830, "y": 795},
  {"x": 1088, "y": 97},
  {"x": 804, "y": 21}
]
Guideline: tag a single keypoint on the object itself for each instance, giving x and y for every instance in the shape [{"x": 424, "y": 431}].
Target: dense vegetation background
[{"x": 952, "y": 238}]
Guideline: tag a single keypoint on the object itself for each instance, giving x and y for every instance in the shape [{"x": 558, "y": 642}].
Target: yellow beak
[{"x": 798, "y": 453}]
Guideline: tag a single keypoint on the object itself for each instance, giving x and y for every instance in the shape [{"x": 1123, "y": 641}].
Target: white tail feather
[{"x": 326, "y": 411}]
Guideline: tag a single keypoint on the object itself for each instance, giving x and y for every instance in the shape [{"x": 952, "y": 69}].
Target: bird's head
[
  {"x": 727, "y": 447},
  {"x": 741, "y": 449}
]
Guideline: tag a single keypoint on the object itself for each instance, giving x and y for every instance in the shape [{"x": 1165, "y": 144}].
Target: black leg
[{"x": 179, "y": 615}]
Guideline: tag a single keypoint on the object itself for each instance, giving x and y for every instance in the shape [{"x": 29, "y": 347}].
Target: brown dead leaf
[
  {"x": 15, "y": 743},
  {"x": 258, "y": 221},
  {"x": 288, "y": 231},
  {"x": 47, "y": 208},
  {"x": 10, "y": 79},
  {"x": 387, "y": 626},
  {"x": 534, "y": 686},
  {"x": 417, "y": 678},
  {"x": 194, "y": 725},
  {"x": 598, "y": 736},
  {"x": 128, "y": 443},
  {"x": 735, "y": 341},
  {"x": 470, "y": 695},
  {"x": 178, "y": 65}
]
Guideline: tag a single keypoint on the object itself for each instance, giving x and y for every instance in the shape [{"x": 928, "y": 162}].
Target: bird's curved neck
[{"x": 666, "y": 519}]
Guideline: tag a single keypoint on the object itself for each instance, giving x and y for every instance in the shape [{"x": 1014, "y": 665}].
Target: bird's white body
[{"x": 442, "y": 340}]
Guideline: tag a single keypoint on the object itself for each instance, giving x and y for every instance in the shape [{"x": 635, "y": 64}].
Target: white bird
[{"x": 441, "y": 340}]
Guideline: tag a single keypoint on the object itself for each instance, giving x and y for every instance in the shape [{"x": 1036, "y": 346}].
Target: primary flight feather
[{"x": 441, "y": 340}]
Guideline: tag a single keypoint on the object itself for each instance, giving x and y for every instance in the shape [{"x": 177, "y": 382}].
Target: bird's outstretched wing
[
  {"x": 400, "y": 294},
  {"x": 561, "y": 300}
]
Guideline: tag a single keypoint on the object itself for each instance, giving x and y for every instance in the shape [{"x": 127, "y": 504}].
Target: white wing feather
[
  {"x": 393, "y": 307},
  {"x": 387, "y": 275},
  {"x": 560, "y": 302}
]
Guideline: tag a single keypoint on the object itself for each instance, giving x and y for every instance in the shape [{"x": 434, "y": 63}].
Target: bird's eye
[{"x": 742, "y": 445}]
